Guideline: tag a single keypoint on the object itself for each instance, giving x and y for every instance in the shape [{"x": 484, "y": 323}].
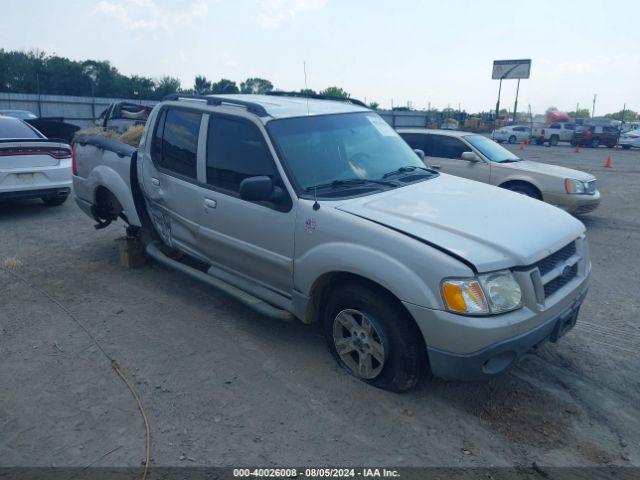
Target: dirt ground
[{"x": 223, "y": 386}]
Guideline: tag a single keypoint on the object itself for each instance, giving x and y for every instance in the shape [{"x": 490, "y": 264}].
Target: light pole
[{"x": 593, "y": 108}]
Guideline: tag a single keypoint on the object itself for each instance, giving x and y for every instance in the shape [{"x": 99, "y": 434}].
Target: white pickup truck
[
  {"x": 553, "y": 133},
  {"x": 317, "y": 210}
]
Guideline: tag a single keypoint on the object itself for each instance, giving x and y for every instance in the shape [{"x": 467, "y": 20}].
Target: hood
[
  {"x": 490, "y": 227},
  {"x": 546, "y": 169}
]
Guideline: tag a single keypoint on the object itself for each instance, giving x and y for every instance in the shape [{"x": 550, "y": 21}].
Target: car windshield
[
  {"x": 358, "y": 147},
  {"x": 490, "y": 149}
]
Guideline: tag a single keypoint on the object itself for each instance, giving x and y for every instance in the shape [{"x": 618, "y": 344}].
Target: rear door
[
  {"x": 170, "y": 177},
  {"x": 445, "y": 154},
  {"x": 250, "y": 239}
]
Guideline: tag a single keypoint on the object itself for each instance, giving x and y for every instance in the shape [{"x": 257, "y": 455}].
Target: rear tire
[
  {"x": 373, "y": 338},
  {"x": 512, "y": 139},
  {"x": 539, "y": 141},
  {"x": 55, "y": 201},
  {"x": 595, "y": 143}
]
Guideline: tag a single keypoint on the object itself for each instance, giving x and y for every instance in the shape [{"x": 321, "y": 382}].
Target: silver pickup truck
[{"x": 317, "y": 210}]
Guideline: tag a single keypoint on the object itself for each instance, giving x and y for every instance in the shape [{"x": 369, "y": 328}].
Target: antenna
[{"x": 316, "y": 205}]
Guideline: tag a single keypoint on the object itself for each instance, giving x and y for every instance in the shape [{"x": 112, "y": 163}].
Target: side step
[{"x": 250, "y": 301}]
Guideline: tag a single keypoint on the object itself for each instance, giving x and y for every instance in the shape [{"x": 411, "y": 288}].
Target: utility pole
[
  {"x": 495, "y": 123},
  {"x": 515, "y": 105},
  {"x": 593, "y": 109},
  {"x": 624, "y": 108}
]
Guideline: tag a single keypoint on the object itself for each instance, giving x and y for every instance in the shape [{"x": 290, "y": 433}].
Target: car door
[
  {"x": 170, "y": 177},
  {"x": 444, "y": 153},
  {"x": 251, "y": 239}
]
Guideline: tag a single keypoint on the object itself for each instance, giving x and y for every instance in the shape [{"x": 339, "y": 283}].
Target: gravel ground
[{"x": 223, "y": 386}]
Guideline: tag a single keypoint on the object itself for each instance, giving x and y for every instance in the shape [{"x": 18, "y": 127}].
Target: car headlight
[
  {"x": 496, "y": 292},
  {"x": 574, "y": 186}
]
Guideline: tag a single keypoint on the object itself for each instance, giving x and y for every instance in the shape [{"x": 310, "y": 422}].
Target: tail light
[
  {"x": 58, "y": 153},
  {"x": 74, "y": 167}
]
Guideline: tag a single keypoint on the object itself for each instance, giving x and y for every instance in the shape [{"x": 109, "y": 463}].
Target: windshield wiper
[
  {"x": 510, "y": 160},
  {"x": 409, "y": 168},
  {"x": 348, "y": 182}
]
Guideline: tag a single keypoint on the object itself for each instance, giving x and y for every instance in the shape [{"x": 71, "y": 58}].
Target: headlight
[
  {"x": 495, "y": 293},
  {"x": 574, "y": 186},
  {"x": 503, "y": 292}
]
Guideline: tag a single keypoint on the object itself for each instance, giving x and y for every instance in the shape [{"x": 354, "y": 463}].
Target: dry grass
[
  {"x": 131, "y": 137},
  {"x": 12, "y": 263}
]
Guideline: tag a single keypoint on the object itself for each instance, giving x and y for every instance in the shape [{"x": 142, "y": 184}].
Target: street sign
[{"x": 505, "y": 69}]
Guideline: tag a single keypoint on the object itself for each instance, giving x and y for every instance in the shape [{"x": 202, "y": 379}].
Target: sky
[{"x": 437, "y": 52}]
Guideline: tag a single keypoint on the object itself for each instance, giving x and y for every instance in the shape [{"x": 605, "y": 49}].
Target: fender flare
[{"x": 103, "y": 176}]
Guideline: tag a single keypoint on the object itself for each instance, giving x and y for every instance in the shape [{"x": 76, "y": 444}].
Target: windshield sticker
[{"x": 383, "y": 127}]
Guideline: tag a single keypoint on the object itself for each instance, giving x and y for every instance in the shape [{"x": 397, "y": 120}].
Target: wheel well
[
  {"x": 107, "y": 206},
  {"x": 328, "y": 282},
  {"x": 513, "y": 183}
]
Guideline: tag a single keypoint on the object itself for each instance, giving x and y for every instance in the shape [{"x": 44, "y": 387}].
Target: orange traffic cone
[
  {"x": 522, "y": 146},
  {"x": 607, "y": 164},
  {"x": 578, "y": 148}
]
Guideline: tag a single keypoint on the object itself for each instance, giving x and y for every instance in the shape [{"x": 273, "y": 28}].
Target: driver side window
[{"x": 447, "y": 147}]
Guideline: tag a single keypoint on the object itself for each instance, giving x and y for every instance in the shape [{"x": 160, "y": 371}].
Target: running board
[{"x": 249, "y": 300}]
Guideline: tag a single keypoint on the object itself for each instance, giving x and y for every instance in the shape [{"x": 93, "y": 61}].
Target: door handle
[
  {"x": 155, "y": 182},
  {"x": 437, "y": 167},
  {"x": 210, "y": 203}
]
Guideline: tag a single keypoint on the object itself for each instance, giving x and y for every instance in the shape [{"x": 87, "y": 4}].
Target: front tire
[
  {"x": 373, "y": 338},
  {"x": 553, "y": 141},
  {"x": 524, "y": 189},
  {"x": 55, "y": 201},
  {"x": 512, "y": 139}
]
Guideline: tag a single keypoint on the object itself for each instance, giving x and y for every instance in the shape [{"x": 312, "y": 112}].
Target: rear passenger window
[
  {"x": 236, "y": 150},
  {"x": 177, "y": 141},
  {"x": 447, "y": 147}
]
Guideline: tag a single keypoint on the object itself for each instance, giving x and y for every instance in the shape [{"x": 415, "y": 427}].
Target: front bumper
[
  {"x": 575, "y": 204},
  {"x": 498, "y": 357}
]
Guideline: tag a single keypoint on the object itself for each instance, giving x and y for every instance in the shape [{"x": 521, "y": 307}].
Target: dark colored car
[{"x": 594, "y": 136}]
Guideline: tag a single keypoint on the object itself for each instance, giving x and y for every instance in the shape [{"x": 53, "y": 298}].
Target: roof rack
[
  {"x": 216, "y": 100},
  {"x": 317, "y": 96}
]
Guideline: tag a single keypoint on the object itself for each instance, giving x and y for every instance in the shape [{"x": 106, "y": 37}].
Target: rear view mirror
[
  {"x": 420, "y": 153},
  {"x": 470, "y": 157}
]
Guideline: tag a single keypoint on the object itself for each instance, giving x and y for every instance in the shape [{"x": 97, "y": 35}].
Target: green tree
[
  {"x": 256, "y": 86},
  {"x": 581, "y": 113},
  {"x": 335, "y": 92},
  {"x": 629, "y": 116},
  {"x": 201, "y": 86},
  {"x": 308, "y": 91},
  {"x": 374, "y": 105},
  {"x": 224, "y": 86},
  {"x": 166, "y": 85}
]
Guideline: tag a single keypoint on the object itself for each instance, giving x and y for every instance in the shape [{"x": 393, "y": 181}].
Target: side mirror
[
  {"x": 420, "y": 153},
  {"x": 470, "y": 157},
  {"x": 260, "y": 189}
]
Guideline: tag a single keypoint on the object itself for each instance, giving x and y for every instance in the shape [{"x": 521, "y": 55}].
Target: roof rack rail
[
  {"x": 217, "y": 100},
  {"x": 316, "y": 96}
]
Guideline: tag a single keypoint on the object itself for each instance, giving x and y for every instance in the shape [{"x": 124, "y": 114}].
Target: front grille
[
  {"x": 549, "y": 263},
  {"x": 590, "y": 187},
  {"x": 557, "y": 283}
]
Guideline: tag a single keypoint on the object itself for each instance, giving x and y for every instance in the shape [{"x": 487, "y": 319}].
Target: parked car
[
  {"x": 478, "y": 158},
  {"x": 511, "y": 134},
  {"x": 19, "y": 114},
  {"x": 630, "y": 139},
  {"x": 594, "y": 136},
  {"x": 318, "y": 210},
  {"x": 120, "y": 116},
  {"x": 32, "y": 166},
  {"x": 553, "y": 133}
]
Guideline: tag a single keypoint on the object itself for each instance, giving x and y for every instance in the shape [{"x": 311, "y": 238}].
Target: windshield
[
  {"x": 319, "y": 150},
  {"x": 490, "y": 149}
]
